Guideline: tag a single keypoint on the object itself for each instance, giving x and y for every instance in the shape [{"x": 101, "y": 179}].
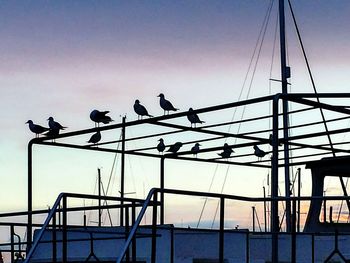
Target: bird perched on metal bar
[
  {"x": 161, "y": 146},
  {"x": 95, "y": 138},
  {"x": 55, "y": 126},
  {"x": 140, "y": 110},
  {"x": 165, "y": 104},
  {"x": 227, "y": 151},
  {"x": 35, "y": 128},
  {"x": 195, "y": 149},
  {"x": 175, "y": 147},
  {"x": 258, "y": 152},
  {"x": 193, "y": 117},
  {"x": 100, "y": 116}
]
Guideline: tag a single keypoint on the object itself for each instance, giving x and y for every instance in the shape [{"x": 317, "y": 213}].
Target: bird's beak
[
  {"x": 27, "y": 122},
  {"x": 158, "y": 95}
]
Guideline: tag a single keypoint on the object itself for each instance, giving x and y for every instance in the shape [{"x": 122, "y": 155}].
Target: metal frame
[{"x": 304, "y": 99}]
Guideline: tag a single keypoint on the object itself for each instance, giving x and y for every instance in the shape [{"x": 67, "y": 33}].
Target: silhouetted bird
[
  {"x": 140, "y": 110},
  {"x": 193, "y": 117},
  {"x": 100, "y": 116},
  {"x": 258, "y": 152},
  {"x": 227, "y": 150},
  {"x": 35, "y": 128},
  {"x": 165, "y": 104},
  {"x": 95, "y": 138},
  {"x": 52, "y": 133},
  {"x": 161, "y": 145},
  {"x": 195, "y": 149},
  {"x": 175, "y": 147},
  {"x": 55, "y": 127}
]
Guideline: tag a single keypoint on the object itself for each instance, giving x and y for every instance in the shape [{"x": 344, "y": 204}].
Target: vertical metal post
[
  {"x": 299, "y": 195},
  {"x": 54, "y": 239},
  {"x": 274, "y": 182},
  {"x": 127, "y": 255},
  {"x": 265, "y": 211},
  {"x": 285, "y": 110},
  {"x": 171, "y": 244},
  {"x": 221, "y": 233},
  {"x": 324, "y": 211},
  {"x": 247, "y": 248},
  {"x": 30, "y": 195},
  {"x": 154, "y": 228},
  {"x": 133, "y": 219},
  {"x": 253, "y": 218},
  {"x": 122, "y": 173},
  {"x": 313, "y": 248},
  {"x": 64, "y": 229},
  {"x": 331, "y": 214},
  {"x": 12, "y": 230},
  {"x": 162, "y": 188},
  {"x": 294, "y": 239},
  {"x": 99, "y": 196}
]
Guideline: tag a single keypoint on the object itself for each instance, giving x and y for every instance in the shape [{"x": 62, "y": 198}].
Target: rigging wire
[
  {"x": 256, "y": 48},
  {"x": 317, "y": 99}
]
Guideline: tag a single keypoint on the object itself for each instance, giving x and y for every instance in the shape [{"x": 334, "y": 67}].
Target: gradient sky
[{"x": 66, "y": 58}]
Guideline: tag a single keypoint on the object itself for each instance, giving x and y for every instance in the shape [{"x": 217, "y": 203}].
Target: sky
[{"x": 66, "y": 58}]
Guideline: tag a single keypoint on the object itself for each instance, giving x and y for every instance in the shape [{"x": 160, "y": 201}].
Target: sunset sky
[{"x": 66, "y": 58}]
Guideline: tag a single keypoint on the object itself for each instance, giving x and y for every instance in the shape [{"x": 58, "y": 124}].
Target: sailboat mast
[{"x": 285, "y": 74}]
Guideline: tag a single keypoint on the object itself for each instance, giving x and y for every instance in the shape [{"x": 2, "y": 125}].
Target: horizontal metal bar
[{"x": 156, "y": 119}]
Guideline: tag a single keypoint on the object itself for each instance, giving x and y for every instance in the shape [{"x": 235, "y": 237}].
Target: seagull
[
  {"x": 227, "y": 150},
  {"x": 195, "y": 149},
  {"x": 140, "y": 110},
  {"x": 175, "y": 147},
  {"x": 161, "y": 145},
  {"x": 35, "y": 128},
  {"x": 193, "y": 117},
  {"x": 258, "y": 152},
  {"x": 165, "y": 104},
  {"x": 55, "y": 127},
  {"x": 100, "y": 116},
  {"x": 95, "y": 138}
]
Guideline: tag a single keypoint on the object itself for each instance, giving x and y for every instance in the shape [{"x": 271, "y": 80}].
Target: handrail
[
  {"x": 47, "y": 221},
  {"x": 54, "y": 209},
  {"x": 212, "y": 195}
]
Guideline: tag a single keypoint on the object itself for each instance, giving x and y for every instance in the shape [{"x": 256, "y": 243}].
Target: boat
[{"x": 322, "y": 236}]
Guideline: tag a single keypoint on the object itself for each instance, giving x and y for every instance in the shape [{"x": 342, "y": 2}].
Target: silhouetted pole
[
  {"x": 299, "y": 194},
  {"x": 274, "y": 182},
  {"x": 99, "y": 196},
  {"x": 285, "y": 73},
  {"x": 30, "y": 195},
  {"x": 265, "y": 212},
  {"x": 122, "y": 175},
  {"x": 162, "y": 188}
]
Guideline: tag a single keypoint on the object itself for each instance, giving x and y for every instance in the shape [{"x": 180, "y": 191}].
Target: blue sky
[{"x": 66, "y": 58}]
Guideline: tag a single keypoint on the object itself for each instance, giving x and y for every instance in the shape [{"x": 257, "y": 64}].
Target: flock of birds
[{"x": 101, "y": 117}]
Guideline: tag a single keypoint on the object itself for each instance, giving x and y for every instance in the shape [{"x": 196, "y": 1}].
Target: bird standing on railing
[
  {"x": 161, "y": 146},
  {"x": 95, "y": 138},
  {"x": 35, "y": 128},
  {"x": 195, "y": 149},
  {"x": 140, "y": 110},
  {"x": 55, "y": 127},
  {"x": 175, "y": 147},
  {"x": 165, "y": 104},
  {"x": 258, "y": 152},
  {"x": 100, "y": 116},
  {"x": 193, "y": 117},
  {"x": 227, "y": 151}
]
